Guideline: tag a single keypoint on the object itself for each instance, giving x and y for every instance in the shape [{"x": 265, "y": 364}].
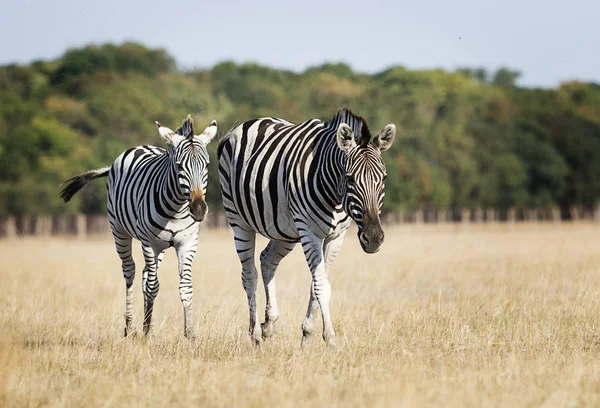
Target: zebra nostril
[{"x": 198, "y": 209}]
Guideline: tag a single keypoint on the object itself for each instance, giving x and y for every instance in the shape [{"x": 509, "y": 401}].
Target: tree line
[{"x": 465, "y": 139}]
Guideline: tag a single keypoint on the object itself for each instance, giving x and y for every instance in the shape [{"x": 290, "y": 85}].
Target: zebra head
[
  {"x": 189, "y": 158},
  {"x": 364, "y": 181}
]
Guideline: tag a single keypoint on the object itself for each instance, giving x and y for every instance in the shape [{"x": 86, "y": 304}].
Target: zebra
[
  {"x": 301, "y": 183},
  {"x": 156, "y": 196}
]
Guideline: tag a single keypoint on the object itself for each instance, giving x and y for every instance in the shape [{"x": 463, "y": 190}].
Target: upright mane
[{"x": 357, "y": 123}]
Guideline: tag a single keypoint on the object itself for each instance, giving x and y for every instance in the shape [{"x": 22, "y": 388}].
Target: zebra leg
[
  {"x": 310, "y": 321},
  {"x": 244, "y": 245},
  {"x": 149, "y": 285},
  {"x": 186, "y": 255},
  {"x": 331, "y": 247},
  {"x": 313, "y": 251},
  {"x": 159, "y": 259},
  {"x": 123, "y": 245},
  {"x": 269, "y": 261}
]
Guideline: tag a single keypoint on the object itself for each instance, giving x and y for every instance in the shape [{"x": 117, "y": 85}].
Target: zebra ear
[
  {"x": 209, "y": 133},
  {"x": 168, "y": 135},
  {"x": 345, "y": 137},
  {"x": 385, "y": 138},
  {"x": 187, "y": 127}
]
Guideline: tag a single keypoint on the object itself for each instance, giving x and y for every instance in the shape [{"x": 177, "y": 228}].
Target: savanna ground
[{"x": 442, "y": 315}]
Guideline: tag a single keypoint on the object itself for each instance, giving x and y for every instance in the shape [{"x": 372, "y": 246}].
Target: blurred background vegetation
[{"x": 466, "y": 139}]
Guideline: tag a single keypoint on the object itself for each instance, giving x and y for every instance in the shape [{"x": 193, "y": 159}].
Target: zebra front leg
[
  {"x": 310, "y": 321},
  {"x": 244, "y": 246},
  {"x": 313, "y": 251},
  {"x": 331, "y": 247},
  {"x": 150, "y": 285},
  {"x": 269, "y": 261},
  {"x": 185, "y": 256},
  {"x": 159, "y": 259},
  {"x": 123, "y": 245}
]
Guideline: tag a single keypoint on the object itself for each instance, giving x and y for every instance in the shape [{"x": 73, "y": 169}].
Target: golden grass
[{"x": 489, "y": 316}]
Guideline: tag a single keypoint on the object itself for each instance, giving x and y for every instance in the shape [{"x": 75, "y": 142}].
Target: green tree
[
  {"x": 505, "y": 78},
  {"x": 464, "y": 139}
]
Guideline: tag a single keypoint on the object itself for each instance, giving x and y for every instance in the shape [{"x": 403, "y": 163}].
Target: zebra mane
[
  {"x": 359, "y": 125},
  {"x": 187, "y": 127},
  {"x": 225, "y": 137}
]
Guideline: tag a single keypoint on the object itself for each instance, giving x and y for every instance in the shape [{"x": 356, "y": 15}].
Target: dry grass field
[{"x": 441, "y": 316}]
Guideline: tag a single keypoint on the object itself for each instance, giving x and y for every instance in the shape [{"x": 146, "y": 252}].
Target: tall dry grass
[{"x": 442, "y": 316}]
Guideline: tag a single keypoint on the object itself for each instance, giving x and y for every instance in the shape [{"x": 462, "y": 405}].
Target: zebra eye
[
  {"x": 350, "y": 178},
  {"x": 179, "y": 166},
  {"x": 384, "y": 177}
]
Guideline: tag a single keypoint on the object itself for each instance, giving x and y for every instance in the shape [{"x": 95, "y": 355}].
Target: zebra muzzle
[
  {"x": 371, "y": 237},
  {"x": 198, "y": 206},
  {"x": 371, "y": 244}
]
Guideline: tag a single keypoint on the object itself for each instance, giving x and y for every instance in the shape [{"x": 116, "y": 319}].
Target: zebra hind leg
[
  {"x": 244, "y": 246},
  {"x": 150, "y": 285},
  {"x": 123, "y": 245},
  {"x": 269, "y": 261}
]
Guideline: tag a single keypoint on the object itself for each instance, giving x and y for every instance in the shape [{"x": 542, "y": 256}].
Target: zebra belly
[
  {"x": 280, "y": 223},
  {"x": 276, "y": 225},
  {"x": 167, "y": 234}
]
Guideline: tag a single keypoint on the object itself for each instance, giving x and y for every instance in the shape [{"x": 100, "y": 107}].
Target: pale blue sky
[{"x": 548, "y": 41}]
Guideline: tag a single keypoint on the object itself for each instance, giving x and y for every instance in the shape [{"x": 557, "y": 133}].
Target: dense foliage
[{"x": 467, "y": 139}]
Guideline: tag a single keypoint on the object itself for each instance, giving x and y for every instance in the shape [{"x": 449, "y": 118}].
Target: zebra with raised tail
[
  {"x": 301, "y": 183},
  {"x": 157, "y": 197}
]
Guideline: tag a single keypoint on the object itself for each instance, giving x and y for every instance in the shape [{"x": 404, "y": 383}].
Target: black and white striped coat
[
  {"x": 301, "y": 183},
  {"x": 157, "y": 197}
]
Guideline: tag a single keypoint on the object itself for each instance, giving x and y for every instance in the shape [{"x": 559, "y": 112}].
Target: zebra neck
[
  {"x": 335, "y": 173},
  {"x": 331, "y": 169},
  {"x": 170, "y": 194}
]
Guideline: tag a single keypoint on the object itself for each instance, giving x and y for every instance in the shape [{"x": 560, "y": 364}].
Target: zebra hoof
[
  {"x": 129, "y": 332},
  {"x": 268, "y": 329},
  {"x": 306, "y": 339},
  {"x": 190, "y": 335},
  {"x": 304, "y": 343},
  {"x": 256, "y": 337},
  {"x": 330, "y": 342}
]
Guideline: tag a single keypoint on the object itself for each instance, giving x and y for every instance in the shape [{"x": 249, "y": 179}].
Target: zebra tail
[{"x": 78, "y": 182}]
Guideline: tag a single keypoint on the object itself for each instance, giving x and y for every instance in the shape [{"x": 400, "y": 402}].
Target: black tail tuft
[{"x": 78, "y": 182}]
